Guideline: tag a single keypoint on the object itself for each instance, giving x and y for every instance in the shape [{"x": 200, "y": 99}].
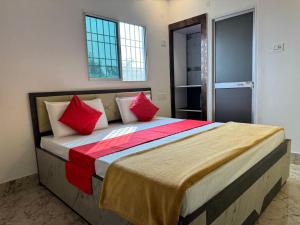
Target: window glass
[
  {"x": 104, "y": 58},
  {"x": 132, "y": 40},
  {"x": 102, "y": 41}
]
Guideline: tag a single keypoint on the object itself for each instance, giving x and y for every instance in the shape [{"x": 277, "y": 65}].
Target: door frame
[
  {"x": 254, "y": 63},
  {"x": 202, "y": 20}
]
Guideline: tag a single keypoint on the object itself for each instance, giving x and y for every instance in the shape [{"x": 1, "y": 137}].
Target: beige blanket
[{"x": 147, "y": 188}]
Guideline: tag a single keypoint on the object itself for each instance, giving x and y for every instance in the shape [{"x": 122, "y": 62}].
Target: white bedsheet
[
  {"x": 61, "y": 146},
  {"x": 196, "y": 195}
]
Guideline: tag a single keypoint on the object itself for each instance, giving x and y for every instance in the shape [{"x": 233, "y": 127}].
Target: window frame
[
  {"x": 118, "y": 48},
  {"x": 120, "y": 78}
]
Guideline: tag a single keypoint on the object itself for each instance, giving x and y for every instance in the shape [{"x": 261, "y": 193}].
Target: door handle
[
  {"x": 247, "y": 84},
  {"x": 250, "y": 84}
]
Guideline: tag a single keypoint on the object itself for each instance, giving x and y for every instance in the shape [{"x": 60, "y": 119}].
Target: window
[
  {"x": 133, "y": 52},
  {"x": 102, "y": 48},
  {"x": 115, "y": 50}
]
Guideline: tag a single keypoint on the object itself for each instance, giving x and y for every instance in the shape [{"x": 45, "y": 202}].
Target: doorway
[
  {"x": 233, "y": 64},
  {"x": 188, "y": 68}
]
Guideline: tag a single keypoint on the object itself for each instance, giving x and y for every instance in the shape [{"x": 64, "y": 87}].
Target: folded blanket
[{"x": 147, "y": 188}]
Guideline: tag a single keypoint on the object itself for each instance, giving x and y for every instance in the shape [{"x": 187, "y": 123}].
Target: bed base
[{"x": 240, "y": 203}]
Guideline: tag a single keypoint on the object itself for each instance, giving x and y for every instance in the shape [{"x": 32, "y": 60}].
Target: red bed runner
[{"x": 81, "y": 165}]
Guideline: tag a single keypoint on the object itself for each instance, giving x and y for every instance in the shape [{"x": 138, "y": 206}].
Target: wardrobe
[{"x": 188, "y": 68}]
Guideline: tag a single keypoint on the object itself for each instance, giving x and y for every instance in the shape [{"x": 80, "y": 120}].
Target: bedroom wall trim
[{"x": 14, "y": 186}]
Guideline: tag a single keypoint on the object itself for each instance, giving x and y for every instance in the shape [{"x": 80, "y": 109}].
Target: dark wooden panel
[
  {"x": 251, "y": 219},
  {"x": 269, "y": 197},
  {"x": 202, "y": 20},
  {"x": 188, "y": 22},
  {"x": 218, "y": 204}
]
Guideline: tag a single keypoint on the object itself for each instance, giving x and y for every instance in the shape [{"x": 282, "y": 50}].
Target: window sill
[{"x": 117, "y": 79}]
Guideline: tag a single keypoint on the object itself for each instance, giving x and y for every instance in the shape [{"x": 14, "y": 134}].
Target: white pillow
[
  {"x": 124, "y": 108},
  {"x": 56, "y": 109}
]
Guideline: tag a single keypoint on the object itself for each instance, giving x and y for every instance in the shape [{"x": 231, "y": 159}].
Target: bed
[{"x": 222, "y": 197}]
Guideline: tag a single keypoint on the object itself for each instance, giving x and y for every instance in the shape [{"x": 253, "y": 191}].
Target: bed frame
[{"x": 240, "y": 203}]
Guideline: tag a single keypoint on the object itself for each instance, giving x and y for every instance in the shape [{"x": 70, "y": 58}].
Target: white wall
[
  {"x": 42, "y": 49},
  {"x": 278, "y": 74}
]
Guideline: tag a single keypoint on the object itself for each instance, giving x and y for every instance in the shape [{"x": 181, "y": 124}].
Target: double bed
[{"x": 235, "y": 193}]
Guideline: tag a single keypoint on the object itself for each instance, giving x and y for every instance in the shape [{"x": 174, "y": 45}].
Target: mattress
[
  {"x": 196, "y": 195},
  {"x": 61, "y": 146}
]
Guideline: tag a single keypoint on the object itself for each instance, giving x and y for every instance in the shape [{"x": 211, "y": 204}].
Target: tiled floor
[
  {"x": 35, "y": 206},
  {"x": 285, "y": 208}
]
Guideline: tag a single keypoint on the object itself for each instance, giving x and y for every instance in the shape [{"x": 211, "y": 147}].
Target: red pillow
[
  {"x": 143, "y": 108},
  {"x": 80, "y": 116}
]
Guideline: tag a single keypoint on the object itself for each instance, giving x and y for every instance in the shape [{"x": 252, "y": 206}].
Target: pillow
[
  {"x": 143, "y": 108},
  {"x": 80, "y": 116},
  {"x": 124, "y": 104},
  {"x": 56, "y": 109}
]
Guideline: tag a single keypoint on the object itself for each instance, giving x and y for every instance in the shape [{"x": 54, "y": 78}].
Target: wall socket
[{"x": 278, "y": 47}]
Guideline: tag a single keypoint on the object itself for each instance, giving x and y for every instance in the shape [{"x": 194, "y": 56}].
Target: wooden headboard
[{"x": 40, "y": 120}]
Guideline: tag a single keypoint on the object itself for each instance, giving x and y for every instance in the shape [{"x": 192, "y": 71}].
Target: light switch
[
  {"x": 278, "y": 47},
  {"x": 163, "y": 44}
]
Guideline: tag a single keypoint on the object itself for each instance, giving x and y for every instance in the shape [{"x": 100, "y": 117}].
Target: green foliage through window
[
  {"x": 102, "y": 48},
  {"x": 104, "y": 57},
  {"x": 133, "y": 52}
]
